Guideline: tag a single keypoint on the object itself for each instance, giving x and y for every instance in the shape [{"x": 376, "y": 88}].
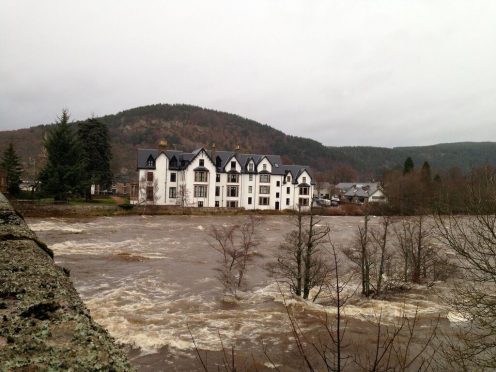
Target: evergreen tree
[
  {"x": 62, "y": 173},
  {"x": 408, "y": 166},
  {"x": 425, "y": 173},
  {"x": 95, "y": 154},
  {"x": 11, "y": 165}
]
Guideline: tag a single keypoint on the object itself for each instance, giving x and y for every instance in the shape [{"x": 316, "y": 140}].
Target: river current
[{"x": 151, "y": 282}]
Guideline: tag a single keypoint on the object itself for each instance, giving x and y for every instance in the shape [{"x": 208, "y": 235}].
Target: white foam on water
[
  {"x": 272, "y": 365},
  {"x": 367, "y": 308},
  {"x": 152, "y": 249},
  {"x": 200, "y": 227},
  {"x": 56, "y": 225},
  {"x": 455, "y": 317}
]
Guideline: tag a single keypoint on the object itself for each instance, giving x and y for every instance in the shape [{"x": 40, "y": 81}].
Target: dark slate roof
[
  {"x": 184, "y": 158},
  {"x": 363, "y": 189},
  {"x": 144, "y": 154}
]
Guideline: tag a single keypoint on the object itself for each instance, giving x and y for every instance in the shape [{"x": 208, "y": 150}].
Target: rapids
[{"x": 151, "y": 280}]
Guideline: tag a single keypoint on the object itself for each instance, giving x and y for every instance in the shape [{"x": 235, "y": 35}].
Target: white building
[{"x": 221, "y": 179}]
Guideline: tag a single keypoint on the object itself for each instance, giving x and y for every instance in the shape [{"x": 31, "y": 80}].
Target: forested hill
[{"x": 188, "y": 127}]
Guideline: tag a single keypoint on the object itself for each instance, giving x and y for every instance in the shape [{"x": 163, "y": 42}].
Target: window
[
  {"x": 264, "y": 178},
  {"x": 249, "y": 200},
  {"x": 202, "y": 162},
  {"x": 232, "y": 191},
  {"x": 149, "y": 176},
  {"x": 278, "y": 183},
  {"x": 304, "y": 190},
  {"x": 277, "y": 194},
  {"x": 217, "y": 204},
  {"x": 200, "y": 203},
  {"x": 233, "y": 178},
  {"x": 250, "y": 177},
  {"x": 250, "y": 167},
  {"x": 288, "y": 190},
  {"x": 218, "y": 162},
  {"x": 264, "y": 189},
  {"x": 150, "y": 162},
  {"x": 264, "y": 167},
  {"x": 288, "y": 179},
  {"x": 233, "y": 164},
  {"x": 173, "y": 162},
  {"x": 149, "y": 193},
  {"x": 287, "y": 201},
  {"x": 173, "y": 177},
  {"x": 304, "y": 179},
  {"x": 217, "y": 177},
  {"x": 303, "y": 202},
  {"x": 217, "y": 190},
  {"x": 263, "y": 200},
  {"x": 200, "y": 191},
  {"x": 200, "y": 176},
  {"x": 172, "y": 192},
  {"x": 250, "y": 189},
  {"x": 232, "y": 204}
]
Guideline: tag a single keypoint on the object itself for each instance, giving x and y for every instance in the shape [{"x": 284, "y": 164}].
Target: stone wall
[{"x": 44, "y": 325}]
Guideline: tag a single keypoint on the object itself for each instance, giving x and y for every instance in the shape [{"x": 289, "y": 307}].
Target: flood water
[{"x": 151, "y": 280}]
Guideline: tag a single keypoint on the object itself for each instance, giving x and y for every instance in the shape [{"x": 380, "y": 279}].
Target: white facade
[{"x": 221, "y": 179}]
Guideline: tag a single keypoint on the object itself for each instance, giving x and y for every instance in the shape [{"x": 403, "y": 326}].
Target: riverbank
[
  {"x": 44, "y": 325},
  {"x": 34, "y": 209}
]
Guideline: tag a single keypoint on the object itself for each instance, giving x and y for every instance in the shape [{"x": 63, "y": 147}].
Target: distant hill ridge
[{"x": 188, "y": 127}]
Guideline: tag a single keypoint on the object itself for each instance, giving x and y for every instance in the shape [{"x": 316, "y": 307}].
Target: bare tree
[
  {"x": 300, "y": 261},
  {"x": 325, "y": 354},
  {"x": 401, "y": 346},
  {"x": 235, "y": 245},
  {"x": 144, "y": 196},
  {"x": 183, "y": 195},
  {"x": 414, "y": 240},
  {"x": 473, "y": 239},
  {"x": 362, "y": 255},
  {"x": 380, "y": 240}
]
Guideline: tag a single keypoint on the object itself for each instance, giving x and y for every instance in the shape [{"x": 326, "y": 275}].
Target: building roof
[
  {"x": 363, "y": 190},
  {"x": 184, "y": 158}
]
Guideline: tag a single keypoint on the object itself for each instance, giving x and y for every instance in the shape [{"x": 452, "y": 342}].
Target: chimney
[
  {"x": 236, "y": 150},
  {"x": 213, "y": 152},
  {"x": 162, "y": 145}
]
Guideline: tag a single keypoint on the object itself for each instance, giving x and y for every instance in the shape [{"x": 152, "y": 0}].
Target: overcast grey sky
[{"x": 381, "y": 73}]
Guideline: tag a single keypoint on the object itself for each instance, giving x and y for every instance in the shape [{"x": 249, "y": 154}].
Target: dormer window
[
  {"x": 150, "y": 162},
  {"x": 218, "y": 162},
  {"x": 202, "y": 162},
  {"x": 173, "y": 162},
  {"x": 250, "y": 167},
  {"x": 264, "y": 167},
  {"x": 288, "y": 179},
  {"x": 304, "y": 180},
  {"x": 233, "y": 164}
]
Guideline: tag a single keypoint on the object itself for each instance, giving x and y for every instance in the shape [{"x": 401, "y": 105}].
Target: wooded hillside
[{"x": 188, "y": 127}]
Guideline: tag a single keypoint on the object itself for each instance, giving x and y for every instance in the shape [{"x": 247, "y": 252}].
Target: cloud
[{"x": 341, "y": 72}]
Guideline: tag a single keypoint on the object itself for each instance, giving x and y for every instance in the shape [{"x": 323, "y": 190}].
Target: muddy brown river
[{"x": 150, "y": 280}]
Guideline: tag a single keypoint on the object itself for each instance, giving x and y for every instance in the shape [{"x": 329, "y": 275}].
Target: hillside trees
[
  {"x": 96, "y": 154},
  {"x": 408, "y": 166},
  {"x": 61, "y": 176},
  {"x": 11, "y": 165}
]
